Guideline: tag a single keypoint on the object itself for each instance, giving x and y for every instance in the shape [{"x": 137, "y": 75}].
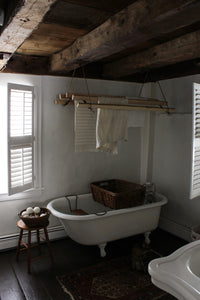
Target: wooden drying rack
[{"x": 91, "y": 101}]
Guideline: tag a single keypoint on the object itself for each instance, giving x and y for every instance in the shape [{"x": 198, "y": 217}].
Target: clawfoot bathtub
[
  {"x": 179, "y": 273},
  {"x": 101, "y": 224}
]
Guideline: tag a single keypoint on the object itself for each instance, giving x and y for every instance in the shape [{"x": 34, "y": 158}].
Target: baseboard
[
  {"x": 10, "y": 241},
  {"x": 57, "y": 232},
  {"x": 175, "y": 228}
]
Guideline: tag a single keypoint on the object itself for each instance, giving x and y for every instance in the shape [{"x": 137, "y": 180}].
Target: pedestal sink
[{"x": 179, "y": 273}]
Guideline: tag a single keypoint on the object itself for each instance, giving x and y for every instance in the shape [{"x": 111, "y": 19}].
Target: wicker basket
[
  {"x": 33, "y": 222},
  {"x": 118, "y": 194}
]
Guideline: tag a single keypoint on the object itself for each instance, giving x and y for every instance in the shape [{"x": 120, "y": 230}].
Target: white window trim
[
  {"x": 38, "y": 138},
  {"x": 37, "y": 190}
]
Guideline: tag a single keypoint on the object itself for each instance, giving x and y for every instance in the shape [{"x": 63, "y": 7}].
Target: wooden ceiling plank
[
  {"x": 26, "y": 19},
  {"x": 177, "y": 50},
  {"x": 48, "y": 39},
  {"x": 26, "y": 64},
  {"x": 127, "y": 28},
  {"x": 76, "y": 15},
  {"x": 102, "y": 5}
]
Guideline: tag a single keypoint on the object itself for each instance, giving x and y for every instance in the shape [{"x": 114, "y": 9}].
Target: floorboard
[
  {"x": 41, "y": 284},
  {"x": 30, "y": 283},
  {"x": 9, "y": 286}
]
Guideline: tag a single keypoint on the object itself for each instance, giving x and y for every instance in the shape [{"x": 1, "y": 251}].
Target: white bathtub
[{"x": 102, "y": 224}]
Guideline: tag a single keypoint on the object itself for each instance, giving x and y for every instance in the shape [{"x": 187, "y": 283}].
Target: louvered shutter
[
  {"x": 20, "y": 138},
  {"x": 195, "y": 185}
]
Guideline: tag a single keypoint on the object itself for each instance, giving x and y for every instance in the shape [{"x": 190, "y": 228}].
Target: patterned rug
[{"x": 112, "y": 280}]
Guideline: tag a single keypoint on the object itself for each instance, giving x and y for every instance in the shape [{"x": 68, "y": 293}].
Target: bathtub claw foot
[
  {"x": 146, "y": 237},
  {"x": 102, "y": 249}
]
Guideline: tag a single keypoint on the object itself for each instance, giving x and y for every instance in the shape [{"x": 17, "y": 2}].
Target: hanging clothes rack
[
  {"x": 134, "y": 103},
  {"x": 138, "y": 104},
  {"x": 125, "y": 107}
]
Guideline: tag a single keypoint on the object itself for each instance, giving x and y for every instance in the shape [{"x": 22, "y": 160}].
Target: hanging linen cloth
[
  {"x": 85, "y": 129},
  {"x": 111, "y": 126}
]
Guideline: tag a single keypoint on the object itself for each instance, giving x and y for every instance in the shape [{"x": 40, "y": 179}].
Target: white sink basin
[
  {"x": 194, "y": 263},
  {"x": 179, "y": 273}
]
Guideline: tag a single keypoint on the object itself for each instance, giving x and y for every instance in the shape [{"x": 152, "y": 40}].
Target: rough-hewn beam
[
  {"x": 26, "y": 19},
  {"x": 190, "y": 67},
  {"x": 177, "y": 50},
  {"x": 38, "y": 65},
  {"x": 140, "y": 21}
]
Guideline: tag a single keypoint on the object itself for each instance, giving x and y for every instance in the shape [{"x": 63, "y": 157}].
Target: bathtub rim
[{"x": 163, "y": 201}]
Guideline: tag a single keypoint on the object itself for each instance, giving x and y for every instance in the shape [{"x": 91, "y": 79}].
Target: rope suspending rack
[{"x": 137, "y": 103}]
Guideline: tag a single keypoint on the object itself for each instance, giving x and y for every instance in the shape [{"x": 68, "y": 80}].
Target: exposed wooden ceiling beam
[
  {"x": 26, "y": 19},
  {"x": 38, "y": 65},
  {"x": 139, "y": 22},
  {"x": 177, "y": 50},
  {"x": 187, "y": 68}
]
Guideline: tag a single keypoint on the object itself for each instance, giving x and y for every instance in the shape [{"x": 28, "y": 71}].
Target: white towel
[
  {"x": 112, "y": 125},
  {"x": 85, "y": 129}
]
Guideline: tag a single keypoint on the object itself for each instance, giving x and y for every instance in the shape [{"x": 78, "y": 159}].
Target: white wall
[
  {"x": 63, "y": 170},
  {"x": 77, "y": 170},
  {"x": 66, "y": 172},
  {"x": 172, "y": 157}
]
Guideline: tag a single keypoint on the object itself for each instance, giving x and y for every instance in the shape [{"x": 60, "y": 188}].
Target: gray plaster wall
[
  {"x": 172, "y": 156},
  {"x": 62, "y": 170}
]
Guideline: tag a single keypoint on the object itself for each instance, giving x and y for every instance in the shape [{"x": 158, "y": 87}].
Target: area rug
[{"x": 113, "y": 279}]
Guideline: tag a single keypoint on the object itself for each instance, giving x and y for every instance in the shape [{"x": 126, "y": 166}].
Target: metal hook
[
  {"x": 90, "y": 108},
  {"x": 67, "y": 102}
]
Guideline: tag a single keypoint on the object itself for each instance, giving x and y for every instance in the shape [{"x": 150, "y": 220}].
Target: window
[
  {"x": 195, "y": 182},
  {"x": 20, "y": 138}
]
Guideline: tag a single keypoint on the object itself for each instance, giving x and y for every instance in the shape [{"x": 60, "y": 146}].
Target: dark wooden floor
[{"x": 41, "y": 284}]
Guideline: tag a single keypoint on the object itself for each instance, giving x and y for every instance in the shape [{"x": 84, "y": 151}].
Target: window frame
[{"x": 37, "y": 186}]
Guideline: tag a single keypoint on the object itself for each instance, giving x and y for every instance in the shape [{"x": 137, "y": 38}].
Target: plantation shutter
[
  {"x": 20, "y": 138},
  {"x": 195, "y": 186}
]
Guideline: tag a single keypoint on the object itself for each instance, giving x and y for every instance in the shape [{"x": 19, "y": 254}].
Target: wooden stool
[{"x": 28, "y": 246}]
